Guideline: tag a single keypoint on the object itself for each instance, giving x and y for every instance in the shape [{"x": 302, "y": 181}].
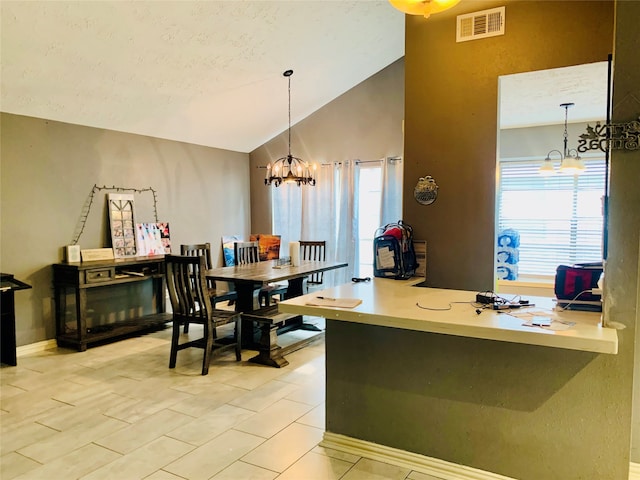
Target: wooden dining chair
[
  {"x": 248, "y": 252},
  {"x": 314, "y": 250},
  {"x": 190, "y": 302},
  {"x": 215, "y": 294}
]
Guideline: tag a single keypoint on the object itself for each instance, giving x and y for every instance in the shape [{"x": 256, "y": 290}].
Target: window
[
  {"x": 369, "y": 197},
  {"x": 351, "y": 200},
  {"x": 559, "y": 217}
]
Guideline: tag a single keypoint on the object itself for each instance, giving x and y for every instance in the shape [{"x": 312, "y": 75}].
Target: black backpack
[{"x": 393, "y": 253}]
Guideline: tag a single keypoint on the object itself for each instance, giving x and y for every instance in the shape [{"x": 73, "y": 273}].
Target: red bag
[{"x": 575, "y": 283}]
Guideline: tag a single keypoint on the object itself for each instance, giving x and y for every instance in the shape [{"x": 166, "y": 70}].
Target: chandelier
[
  {"x": 570, "y": 161},
  {"x": 423, "y": 7},
  {"x": 290, "y": 169}
]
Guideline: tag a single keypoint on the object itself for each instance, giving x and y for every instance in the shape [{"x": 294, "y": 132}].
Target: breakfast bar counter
[
  {"x": 399, "y": 304},
  {"x": 415, "y": 377}
]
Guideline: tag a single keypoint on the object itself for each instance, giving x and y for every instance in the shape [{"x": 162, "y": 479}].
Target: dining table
[{"x": 248, "y": 280}]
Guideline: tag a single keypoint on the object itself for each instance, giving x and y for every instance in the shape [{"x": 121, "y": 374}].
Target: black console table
[
  {"x": 82, "y": 276},
  {"x": 8, "y": 285}
]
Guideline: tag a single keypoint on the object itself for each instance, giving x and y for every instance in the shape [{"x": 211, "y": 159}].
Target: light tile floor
[{"x": 118, "y": 412}]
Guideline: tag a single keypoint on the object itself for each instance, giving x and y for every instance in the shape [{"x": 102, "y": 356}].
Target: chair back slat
[
  {"x": 314, "y": 250},
  {"x": 186, "y": 282},
  {"x": 246, "y": 252}
]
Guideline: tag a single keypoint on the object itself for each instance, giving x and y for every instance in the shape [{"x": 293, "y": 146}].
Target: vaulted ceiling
[
  {"x": 203, "y": 72},
  {"x": 210, "y": 72}
]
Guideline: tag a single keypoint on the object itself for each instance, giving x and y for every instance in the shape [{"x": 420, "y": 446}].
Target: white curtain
[
  {"x": 329, "y": 211},
  {"x": 287, "y": 211},
  {"x": 318, "y": 215},
  {"x": 347, "y": 222},
  {"x": 391, "y": 201}
]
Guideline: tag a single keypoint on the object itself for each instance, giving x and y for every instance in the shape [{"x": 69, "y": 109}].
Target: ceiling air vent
[{"x": 486, "y": 23}]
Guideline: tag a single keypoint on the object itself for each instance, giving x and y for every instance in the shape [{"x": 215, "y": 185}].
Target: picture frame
[{"x": 121, "y": 224}]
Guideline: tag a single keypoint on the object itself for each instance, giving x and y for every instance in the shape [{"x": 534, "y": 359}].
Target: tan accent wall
[
  {"x": 526, "y": 412},
  {"x": 451, "y": 119},
  {"x": 622, "y": 285},
  {"x": 48, "y": 171}
]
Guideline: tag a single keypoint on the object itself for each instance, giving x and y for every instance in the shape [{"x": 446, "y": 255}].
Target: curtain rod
[{"x": 390, "y": 159}]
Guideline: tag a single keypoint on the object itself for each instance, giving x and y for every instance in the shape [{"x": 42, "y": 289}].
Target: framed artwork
[
  {"x": 165, "y": 236},
  {"x": 153, "y": 239},
  {"x": 227, "y": 249},
  {"x": 121, "y": 224},
  {"x": 268, "y": 245}
]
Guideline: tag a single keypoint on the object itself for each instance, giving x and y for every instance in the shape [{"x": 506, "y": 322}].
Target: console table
[
  {"x": 82, "y": 276},
  {"x": 8, "y": 285}
]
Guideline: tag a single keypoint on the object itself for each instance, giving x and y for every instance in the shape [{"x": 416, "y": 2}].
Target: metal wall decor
[
  {"x": 426, "y": 190},
  {"x": 611, "y": 136},
  {"x": 86, "y": 209}
]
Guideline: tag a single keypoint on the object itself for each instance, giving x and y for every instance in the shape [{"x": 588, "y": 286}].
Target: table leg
[
  {"x": 81, "y": 318},
  {"x": 8, "y": 329},
  {"x": 269, "y": 352},
  {"x": 248, "y": 301},
  {"x": 295, "y": 289}
]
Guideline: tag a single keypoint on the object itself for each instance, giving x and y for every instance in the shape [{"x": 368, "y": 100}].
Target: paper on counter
[{"x": 334, "y": 302}]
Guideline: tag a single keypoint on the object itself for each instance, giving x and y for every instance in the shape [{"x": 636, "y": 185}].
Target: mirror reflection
[{"x": 548, "y": 216}]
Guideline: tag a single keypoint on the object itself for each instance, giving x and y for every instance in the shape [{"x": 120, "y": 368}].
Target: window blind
[{"x": 559, "y": 217}]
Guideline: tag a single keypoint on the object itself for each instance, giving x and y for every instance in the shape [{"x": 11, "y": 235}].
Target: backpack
[
  {"x": 393, "y": 253},
  {"x": 574, "y": 284}
]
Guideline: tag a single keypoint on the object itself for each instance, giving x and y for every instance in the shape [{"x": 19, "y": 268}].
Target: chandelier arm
[{"x": 554, "y": 151}]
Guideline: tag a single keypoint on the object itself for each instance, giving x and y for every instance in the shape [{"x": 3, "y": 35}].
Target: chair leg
[
  {"x": 175, "y": 335},
  {"x": 208, "y": 347},
  {"x": 238, "y": 338},
  {"x": 186, "y": 327}
]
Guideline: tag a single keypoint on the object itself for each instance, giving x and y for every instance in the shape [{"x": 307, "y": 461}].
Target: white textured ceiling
[
  {"x": 534, "y": 98},
  {"x": 210, "y": 72},
  {"x": 203, "y": 72}
]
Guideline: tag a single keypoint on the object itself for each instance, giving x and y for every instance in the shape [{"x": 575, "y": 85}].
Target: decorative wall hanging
[
  {"x": 426, "y": 191},
  {"x": 613, "y": 136},
  {"x": 86, "y": 209},
  {"x": 122, "y": 225}
]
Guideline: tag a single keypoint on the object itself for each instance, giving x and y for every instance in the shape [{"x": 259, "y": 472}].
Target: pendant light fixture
[
  {"x": 570, "y": 161},
  {"x": 290, "y": 169},
  {"x": 423, "y": 7}
]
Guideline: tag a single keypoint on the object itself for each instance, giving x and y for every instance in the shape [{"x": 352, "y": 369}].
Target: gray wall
[
  {"x": 364, "y": 123},
  {"x": 622, "y": 282},
  {"x": 48, "y": 171}
]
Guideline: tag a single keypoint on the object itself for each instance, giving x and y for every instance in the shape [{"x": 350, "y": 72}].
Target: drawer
[{"x": 99, "y": 275}]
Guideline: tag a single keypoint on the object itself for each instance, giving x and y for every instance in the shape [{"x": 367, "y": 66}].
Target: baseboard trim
[
  {"x": 420, "y": 463},
  {"x": 37, "y": 347},
  {"x": 413, "y": 461}
]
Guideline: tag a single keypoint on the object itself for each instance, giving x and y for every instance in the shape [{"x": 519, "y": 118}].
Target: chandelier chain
[{"x": 289, "y": 78}]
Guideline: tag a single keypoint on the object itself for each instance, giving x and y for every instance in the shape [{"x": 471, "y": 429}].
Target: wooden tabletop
[{"x": 269, "y": 271}]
